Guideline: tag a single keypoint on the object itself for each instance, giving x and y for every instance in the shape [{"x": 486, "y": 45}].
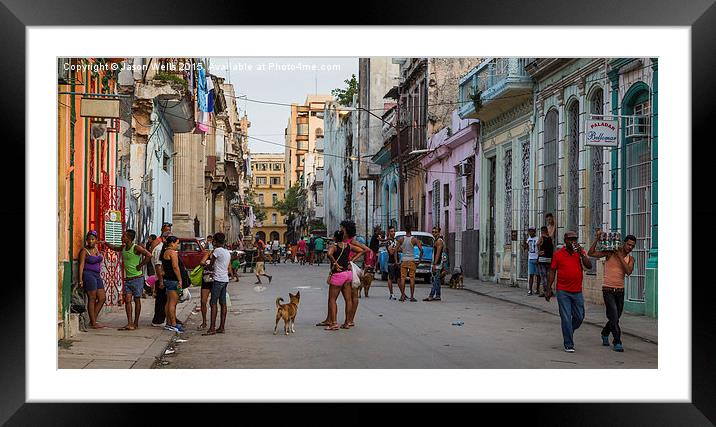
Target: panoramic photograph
[{"x": 357, "y": 213}]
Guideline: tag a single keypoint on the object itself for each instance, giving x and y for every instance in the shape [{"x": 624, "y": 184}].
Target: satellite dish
[{"x": 98, "y": 130}]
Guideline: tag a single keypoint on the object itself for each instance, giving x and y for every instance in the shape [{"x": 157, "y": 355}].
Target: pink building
[{"x": 452, "y": 202}]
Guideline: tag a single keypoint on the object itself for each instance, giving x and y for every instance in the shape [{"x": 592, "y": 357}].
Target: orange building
[{"x": 87, "y": 170}]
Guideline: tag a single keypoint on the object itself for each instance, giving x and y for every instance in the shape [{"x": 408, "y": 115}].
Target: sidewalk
[
  {"x": 638, "y": 326},
  {"x": 109, "y": 348}
]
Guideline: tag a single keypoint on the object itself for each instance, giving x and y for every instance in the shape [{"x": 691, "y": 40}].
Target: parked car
[
  {"x": 191, "y": 251},
  {"x": 424, "y": 269}
]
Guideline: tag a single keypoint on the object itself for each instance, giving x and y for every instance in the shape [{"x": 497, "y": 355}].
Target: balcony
[
  {"x": 504, "y": 84},
  {"x": 319, "y": 212},
  {"x": 319, "y": 143},
  {"x": 320, "y": 175}
]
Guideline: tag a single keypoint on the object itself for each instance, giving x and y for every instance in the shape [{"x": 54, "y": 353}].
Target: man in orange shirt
[
  {"x": 569, "y": 262},
  {"x": 616, "y": 265}
]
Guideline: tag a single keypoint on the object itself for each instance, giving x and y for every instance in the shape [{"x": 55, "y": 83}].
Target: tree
[
  {"x": 293, "y": 203},
  {"x": 345, "y": 96}
]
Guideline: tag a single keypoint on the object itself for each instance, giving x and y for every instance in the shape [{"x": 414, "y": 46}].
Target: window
[
  {"x": 260, "y": 180},
  {"x": 573, "y": 168},
  {"x": 274, "y": 198},
  {"x": 274, "y": 218},
  {"x": 261, "y": 199},
  {"x": 446, "y": 195},
  {"x": 302, "y": 129},
  {"x": 275, "y": 180},
  {"x": 550, "y": 163},
  {"x": 262, "y": 166},
  {"x": 277, "y": 166},
  {"x": 165, "y": 163},
  {"x": 508, "y": 196}
]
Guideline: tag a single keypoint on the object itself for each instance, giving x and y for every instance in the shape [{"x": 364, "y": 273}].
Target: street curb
[
  {"x": 161, "y": 342},
  {"x": 624, "y": 331}
]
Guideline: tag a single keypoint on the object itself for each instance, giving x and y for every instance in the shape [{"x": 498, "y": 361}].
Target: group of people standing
[
  {"x": 161, "y": 257},
  {"x": 567, "y": 265}
]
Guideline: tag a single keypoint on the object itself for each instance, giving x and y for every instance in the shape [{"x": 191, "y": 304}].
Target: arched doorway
[
  {"x": 636, "y": 187},
  {"x": 261, "y": 235},
  {"x": 274, "y": 235}
]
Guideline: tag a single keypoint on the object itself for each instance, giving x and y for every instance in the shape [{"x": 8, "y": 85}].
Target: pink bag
[{"x": 151, "y": 280}]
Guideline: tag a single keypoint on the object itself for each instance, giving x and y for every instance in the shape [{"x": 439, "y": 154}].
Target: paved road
[{"x": 391, "y": 334}]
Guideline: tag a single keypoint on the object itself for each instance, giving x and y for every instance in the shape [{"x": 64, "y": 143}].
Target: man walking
[
  {"x": 260, "y": 262},
  {"x": 617, "y": 265},
  {"x": 568, "y": 262},
  {"x": 221, "y": 267},
  {"x": 320, "y": 245},
  {"x": 275, "y": 257},
  {"x": 134, "y": 257},
  {"x": 408, "y": 264},
  {"x": 530, "y": 245},
  {"x": 391, "y": 246},
  {"x": 437, "y": 265}
]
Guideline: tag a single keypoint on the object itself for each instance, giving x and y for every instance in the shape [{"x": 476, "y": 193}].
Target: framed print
[{"x": 217, "y": 182}]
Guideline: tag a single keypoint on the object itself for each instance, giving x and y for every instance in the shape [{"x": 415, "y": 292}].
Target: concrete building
[
  {"x": 163, "y": 105},
  {"x": 376, "y": 76},
  {"x": 452, "y": 203},
  {"x": 498, "y": 92},
  {"x": 88, "y": 153},
  {"x": 337, "y": 194},
  {"x": 269, "y": 174}
]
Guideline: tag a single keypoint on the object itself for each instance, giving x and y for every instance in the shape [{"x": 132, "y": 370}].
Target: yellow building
[{"x": 269, "y": 184}]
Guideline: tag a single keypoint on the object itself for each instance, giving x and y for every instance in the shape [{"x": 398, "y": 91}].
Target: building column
[
  {"x": 183, "y": 223},
  {"x": 614, "y": 190},
  {"x": 651, "y": 285}
]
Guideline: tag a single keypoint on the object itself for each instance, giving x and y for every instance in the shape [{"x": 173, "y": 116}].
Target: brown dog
[
  {"x": 366, "y": 280},
  {"x": 287, "y": 312},
  {"x": 456, "y": 279}
]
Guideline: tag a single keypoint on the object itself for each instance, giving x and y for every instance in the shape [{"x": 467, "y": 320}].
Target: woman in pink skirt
[{"x": 340, "y": 280}]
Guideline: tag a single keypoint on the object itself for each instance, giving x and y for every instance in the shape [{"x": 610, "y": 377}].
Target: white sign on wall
[{"x": 601, "y": 133}]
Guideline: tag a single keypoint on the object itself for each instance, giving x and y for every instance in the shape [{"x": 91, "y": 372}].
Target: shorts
[
  {"x": 341, "y": 278},
  {"x": 532, "y": 266},
  {"x": 206, "y": 285},
  {"x": 92, "y": 281},
  {"x": 260, "y": 268},
  {"x": 134, "y": 286},
  {"x": 171, "y": 285},
  {"x": 218, "y": 293},
  {"x": 407, "y": 267},
  {"x": 393, "y": 272}
]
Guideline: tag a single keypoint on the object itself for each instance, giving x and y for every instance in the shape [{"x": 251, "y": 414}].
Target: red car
[{"x": 191, "y": 251}]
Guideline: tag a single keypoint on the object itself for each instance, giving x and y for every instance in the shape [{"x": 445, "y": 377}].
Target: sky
[{"x": 283, "y": 80}]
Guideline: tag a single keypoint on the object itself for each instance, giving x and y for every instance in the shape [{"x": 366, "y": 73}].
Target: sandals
[
  {"x": 323, "y": 324},
  {"x": 125, "y": 328},
  {"x": 210, "y": 332},
  {"x": 413, "y": 300},
  {"x": 402, "y": 299},
  {"x": 333, "y": 327}
]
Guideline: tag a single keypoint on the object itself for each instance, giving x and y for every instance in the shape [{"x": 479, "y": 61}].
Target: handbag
[
  {"x": 196, "y": 274},
  {"x": 77, "y": 302},
  {"x": 357, "y": 276}
]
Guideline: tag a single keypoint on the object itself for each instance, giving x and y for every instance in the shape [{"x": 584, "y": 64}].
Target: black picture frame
[{"x": 16, "y": 15}]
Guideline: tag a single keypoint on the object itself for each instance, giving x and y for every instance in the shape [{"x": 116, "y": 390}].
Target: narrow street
[{"x": 390, "y": 334}]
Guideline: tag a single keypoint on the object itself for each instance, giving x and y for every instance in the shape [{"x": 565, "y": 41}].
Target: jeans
[
  {"x": 571, "y": 311},
  {"x": 159, "y": 302},
  {"x": 614, "y": 302},
  {"x": 437, "y": 281},
  {"x": 218, "y": 293}
]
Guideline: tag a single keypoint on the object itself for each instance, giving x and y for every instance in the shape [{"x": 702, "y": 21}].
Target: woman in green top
[{"x": 135, "y": 257}]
